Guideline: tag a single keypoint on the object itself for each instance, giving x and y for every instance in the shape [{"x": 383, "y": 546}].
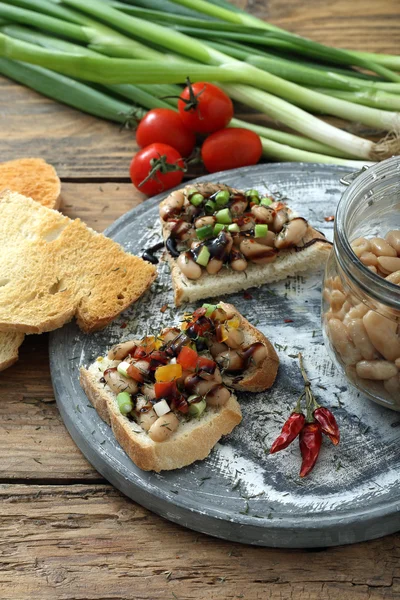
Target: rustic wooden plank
[
  {"x": 98, "y": 204},
  {"x": 90, "y": 542},
  {"x": 34, "y": 443}
]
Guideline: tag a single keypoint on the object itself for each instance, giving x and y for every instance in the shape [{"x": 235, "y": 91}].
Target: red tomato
[
  {"x": 166, "y": 389},
  {"x": 165, "y": 126},
  {"x": 231, "y": 148},
  {"x": 187, "y": 358},
  {"x": 204, "y": 107},
  {"x": 156, "y": 168}
]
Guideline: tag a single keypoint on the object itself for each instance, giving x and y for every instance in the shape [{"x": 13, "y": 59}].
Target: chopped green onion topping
[
  {"x": 194, "y": 397},
  {"x": 224, "y": 216},
  {"x": 196, "y": 409},
  {"x": 124, "y": 402},
  {"x": 196, "y": 199},
  {"x": 252, "y": 193},
  {"x": 203, "y": 257},
  {"x": 222, "y": 198},
  {"x": 218, "y": 227},
  {"x": 204, "y": 232},
  {"x": 233, "y": 228},
  {"x": 260, "y": 231},
  {"x": 210, "y": 207},
  {"x": 210, "y": 309},
  {"x": 266, "y": 201}
]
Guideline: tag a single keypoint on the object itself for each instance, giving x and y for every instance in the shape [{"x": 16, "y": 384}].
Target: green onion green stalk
[{"x": 139, "y": 50}]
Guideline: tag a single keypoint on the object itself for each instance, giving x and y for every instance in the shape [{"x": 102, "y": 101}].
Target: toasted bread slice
[
  {"x": 312, "y": 254},
  {"x": 32, "y": 177},
  {"x": 9, "y": 345},
  {"x": 193, "y": 440},
  {"x": 54, "y": 268},
  {"x": 255, "y": 378}
]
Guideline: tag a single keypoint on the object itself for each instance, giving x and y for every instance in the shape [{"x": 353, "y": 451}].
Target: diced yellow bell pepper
[
  {"x": 168, "y": 373},
  {"x": 234, "y": 322}
]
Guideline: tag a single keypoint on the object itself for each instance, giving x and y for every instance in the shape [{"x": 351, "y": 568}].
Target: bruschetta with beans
[
  {"x": 169, "y": 398},
  {"x": 220, "y": 240}
]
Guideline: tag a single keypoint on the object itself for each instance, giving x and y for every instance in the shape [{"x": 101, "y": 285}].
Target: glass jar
[{"x": 361, "y": 307}]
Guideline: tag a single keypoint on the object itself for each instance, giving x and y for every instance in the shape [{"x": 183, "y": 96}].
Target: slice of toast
[
  {"x": 190, "y": 351},
  {"x": 32, "y": 177},
  {"x": 192, "y": 441},
  {"x": 311, "y": 254},
  {"x": 9, "y": 345},
  {"x": 35, "y": 178},
  {"x": 54, "y": 268}
]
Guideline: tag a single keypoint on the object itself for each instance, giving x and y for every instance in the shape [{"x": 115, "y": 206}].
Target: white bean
[
  {"x": 214, "y": 266},
  {"x": 388, "y": 264},
  {"x": 280, "y": 219},
  {"x": 146, "y": 419},
  {"x": 369, "y": 259},
  {"x": 218, "y": 396},
  {"x": 359, "y": 336},
  {"x": 188, "y": 266},
  {"x": 172, "y": 205},
  {"x": 121, "y": 351},
  {"x": 379, "y": 370},
  {"x": 216, "y": 348},
  {"x": 360, "y": 246},
  {"x": 118, "y": 383},
  {"x": 394, "y": 278},
  {"x": 230, "y": 360},
  {"x": 356, "y": 312},
  {"x": 292, "y": 234},
  {"x": 202, "y": 221},
  {"x": 382, "y": 332},
  {"x": 164, "y": 427},
  {"x": 337, "y": 300},
  {"x": 392, "y": 386},
  {"x": 380, "y": 247},
  {"x": 393, "y": 238},
  {"x": 341, "y": 342},
  {"x": 263, "y": 214},
  {"x": 267, "y": 240}
]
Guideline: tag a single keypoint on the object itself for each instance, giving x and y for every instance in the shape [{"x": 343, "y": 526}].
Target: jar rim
[{"x": 371, "y": 284}]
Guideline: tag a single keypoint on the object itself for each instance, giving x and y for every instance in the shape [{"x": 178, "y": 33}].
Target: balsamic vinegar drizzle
[{"x": 148, "y": 254}]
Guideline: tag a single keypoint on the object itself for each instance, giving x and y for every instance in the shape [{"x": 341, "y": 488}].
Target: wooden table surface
[{"x": 64, "y": 532}]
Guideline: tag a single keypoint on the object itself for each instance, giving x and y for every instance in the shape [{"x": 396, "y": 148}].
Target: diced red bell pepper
[
  {"x": 157, "y": 358},
  {"x": 165, "y": 389},
  {"x": 187, "y": 358},
  {"x": 135, "y": 373},
  {"x": 206, "y": 364}
]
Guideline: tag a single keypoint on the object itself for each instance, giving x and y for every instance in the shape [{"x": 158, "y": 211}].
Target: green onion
[
  {"x": 203, "y": 257},
  {"x": 252, "y": 193},
  {"x": 234, "y": 228},
  {"x": 367, "y": 96},
  {"x": 209, "y": 311},
  {"x": 222, "y": 198},
  {"x": 209, "y": 207},
  {"x": 204, "y": 232},
  {"x": 196, "y": 409},
  {"x": 265, "y": 201},
  {"x": 196, "y": 199},
  {"x": 224, "y": 216},
  {"x": 124, "y": 402},
  {"x": 260, "y": 231},
  {"x": 218, "y": 227}
]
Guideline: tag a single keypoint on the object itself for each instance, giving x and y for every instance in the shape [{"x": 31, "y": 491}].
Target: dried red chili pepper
[
  {"x": 327, "y": 423},
  {"x": 310, "y": 444},
  {"x": 290, "y": 430}
]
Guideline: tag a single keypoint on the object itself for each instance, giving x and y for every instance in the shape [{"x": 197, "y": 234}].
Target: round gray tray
[{"x": 240, "y": 492}]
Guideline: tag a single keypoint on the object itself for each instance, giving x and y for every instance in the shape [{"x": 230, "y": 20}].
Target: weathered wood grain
[
  {"x": 34, "y": 443},
  {"x": 89, "y": 542}
]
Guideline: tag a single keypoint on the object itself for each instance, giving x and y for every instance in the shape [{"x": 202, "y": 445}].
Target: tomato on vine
[
  {"x": 156, "y": 168},
  {"x": 204, "y": 107},
  {"x": 231, "y": 148},
  {"x": 165, "y": 126}
]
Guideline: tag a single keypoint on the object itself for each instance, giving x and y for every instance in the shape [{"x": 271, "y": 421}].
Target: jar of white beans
[{"x": 361, "y": 289}]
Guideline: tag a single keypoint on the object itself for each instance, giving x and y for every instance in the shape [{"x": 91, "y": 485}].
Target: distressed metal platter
[{"x": 240, "y": 492}]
